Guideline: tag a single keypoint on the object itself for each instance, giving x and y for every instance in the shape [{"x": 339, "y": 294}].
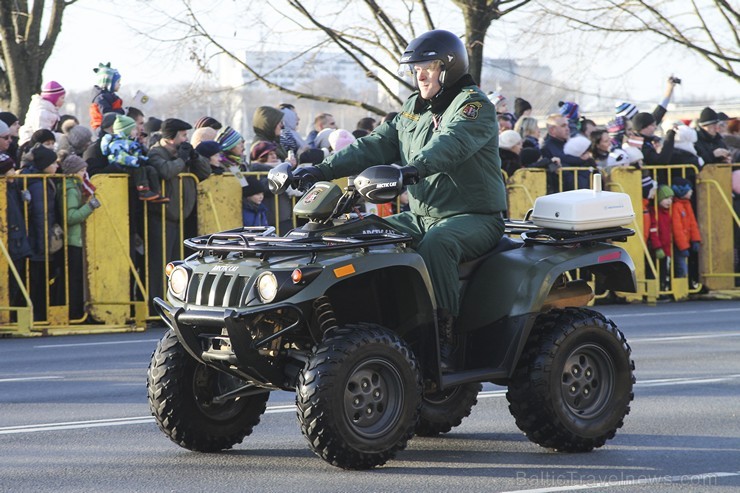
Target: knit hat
[
  {"x": 254, "y": 186},
  {"x": 625, "y": 109},
  {"x": 261, "y": 149},
  {"x": 153, "y": 124},
  {"x": 577, "y": 145},
  {"x": 322, "y": 138},
  {"x": 529, "y": 155},
  {"x": 681, "y": 186},
  {"x": 208, "y": 148},
  {"x": 633, "y": 153},
  {"x": 520, "y": 106},
  {"x": 42, "y": 135},
  {"x": 42, "y": 157},
  {"x": 311, "y": 156},
  {"x": 508, "y": 139},
  {"x": 686, "y": 134},
  {"x": 618, "y": 157},
  {"x": 228, "y": 138},
  {"x": 616, "y": 127},
  {"x": 207, "y": 121},
  {"x": 68, "y": 124},
  {"x": 4, "y": 128},
  {"x": 79, "y": 138},
  {"x": 106, "y": 76},
  {"x": 648, "y": 185},
  {"x": 340, "y": 138},
  {"x": 642, "y": 120},
  {"x": 708, "y": 116},
  {"x": 123, "y": 125},
  {"x": 72, "y": 164},
  {"x": 8, "y": 117},
  {"x": 664, "y": 192},
  {"x": 568, "y": 109},
  {"x": 52, "y": 91},
  {"x": 171, "y": 126},
  {"x": 108, "y": 119}
]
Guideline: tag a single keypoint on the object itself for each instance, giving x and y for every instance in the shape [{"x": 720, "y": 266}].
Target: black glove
[
  {"x": 410, "y": 175},
  {"x": 184, "y": 151},
  {"x": 307, "y": 176},
  {"x": 94, "y": 203}
]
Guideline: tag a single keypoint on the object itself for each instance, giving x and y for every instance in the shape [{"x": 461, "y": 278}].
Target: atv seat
[{"x": 466, "y": 269}]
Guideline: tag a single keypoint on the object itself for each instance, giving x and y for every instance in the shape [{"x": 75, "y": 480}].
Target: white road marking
[
  {"x": 81, "y": 344},
  {"x": 26, "y": 379},
  {"x": 668, "y": 314},
  {"x": 689, "y": 479},
  {"x": 684, "y": 338},
  {"x": 684, "y": 381}
]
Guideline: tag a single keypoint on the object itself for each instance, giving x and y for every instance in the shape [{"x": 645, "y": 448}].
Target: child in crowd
[
  {"x": 126, "y": 155},
  {"x": 211, "y": 150},
  {"x": 686, "y": 236},
  {"x": 254, "y": 212},
  {"x": 662, "y": 238},
  {"x": 105, "y": 100},
  {"x": 77, "y": 203},
  {"x": 43, "y": 111}
]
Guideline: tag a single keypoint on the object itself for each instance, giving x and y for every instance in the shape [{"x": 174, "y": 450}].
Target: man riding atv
[{"x": 446, "y": 139}]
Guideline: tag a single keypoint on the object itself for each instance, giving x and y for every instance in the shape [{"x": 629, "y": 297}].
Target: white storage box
[{"x": 582, "y": 210}]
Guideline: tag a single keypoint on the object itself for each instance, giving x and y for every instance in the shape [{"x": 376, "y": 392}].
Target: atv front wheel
[
  {"x": 358, "y": 397},
  {"x": 442, "y": 411},
  {"x": 573, "y": 385},
  {"x": 181, "y": 392}
]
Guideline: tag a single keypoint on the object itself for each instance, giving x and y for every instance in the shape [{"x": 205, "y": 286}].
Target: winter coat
[
  {"x": 663, "y": 237},
  {"x": 290, "y": 139},
  {"x": 685, "y": 227},
  {"x": 40, "y": 221},
  {"x": 169, "y": 165},
  {"x": 264, "y": 122},
  {"x": 530, "y": 141},
  {"x": 649, "y": 223},
  {"x": 552, "y": 147},
  {"x": 253, "y": 214},
  {"x": 104, "y": 102},
  {"x": 77, "y": 211},
  {"x": 18, "y": 245},
  {"x": 122, "y": 151},
  {"x": 510, "y": 161},
  {"x": 651, "y": 156},
  {"x": 41, "y": 114},
  {"x": 706, "y": 144},
  {"x": 453, "y": 144}
]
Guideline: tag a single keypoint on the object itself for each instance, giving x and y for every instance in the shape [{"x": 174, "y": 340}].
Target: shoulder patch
[{"x": 470, "y": 110}]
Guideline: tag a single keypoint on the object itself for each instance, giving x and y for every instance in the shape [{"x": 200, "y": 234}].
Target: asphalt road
[{"x": 74, "y": 417}]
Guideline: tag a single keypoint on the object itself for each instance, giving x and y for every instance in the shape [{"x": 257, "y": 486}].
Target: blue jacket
[
  {"x": 254, "y": 215},
  {"x": 551, "y": 148},
  {"x": 18, "y": 245},
  {"x": 41, "y": 216},
  {"x": 122, "y": 151}
]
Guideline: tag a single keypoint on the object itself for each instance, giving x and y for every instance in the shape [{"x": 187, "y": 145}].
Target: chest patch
[{"x": 470, "y": 110}]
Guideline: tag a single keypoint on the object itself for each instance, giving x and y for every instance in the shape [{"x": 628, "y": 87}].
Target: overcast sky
[{"x": 105, "y": 31}]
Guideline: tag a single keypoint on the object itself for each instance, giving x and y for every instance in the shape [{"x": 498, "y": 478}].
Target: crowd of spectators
[{"x": 155, "y": 152}]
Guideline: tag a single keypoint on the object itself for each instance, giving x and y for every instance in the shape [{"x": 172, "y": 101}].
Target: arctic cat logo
[
  {"x": 386, "y": 185},
  {"x": 313, "y": 195},
  {"x": 378, "y": 231},
  {"x": 225, "y": 268}
]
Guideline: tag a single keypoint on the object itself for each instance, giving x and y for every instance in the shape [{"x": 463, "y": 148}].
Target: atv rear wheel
[
  {"x": 358, "y": 397},
  {"x": 442, "y": 411},
  {"x": 573, "y": 384},
  {"x": 181, "y": 392}
]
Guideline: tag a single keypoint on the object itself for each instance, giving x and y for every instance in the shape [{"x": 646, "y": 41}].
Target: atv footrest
[{"x": 468, "y": 376}]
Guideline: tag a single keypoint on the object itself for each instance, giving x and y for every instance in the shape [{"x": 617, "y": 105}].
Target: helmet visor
[{"x": 411, "y": 69}]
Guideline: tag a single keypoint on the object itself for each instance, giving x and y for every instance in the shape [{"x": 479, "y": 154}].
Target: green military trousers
[{"x": 446, "y": 243}]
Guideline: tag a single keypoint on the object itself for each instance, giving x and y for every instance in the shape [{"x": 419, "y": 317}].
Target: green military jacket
[{"x": 456, "y": 153}]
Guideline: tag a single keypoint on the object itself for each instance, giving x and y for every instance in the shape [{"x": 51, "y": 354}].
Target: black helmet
[{"x": 438, "y": 45}]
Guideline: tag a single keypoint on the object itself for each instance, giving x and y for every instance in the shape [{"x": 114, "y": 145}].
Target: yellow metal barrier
[{"x": 522, "y": 188}]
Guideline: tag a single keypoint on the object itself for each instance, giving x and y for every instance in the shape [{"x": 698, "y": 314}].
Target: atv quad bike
[{"x": 341, "y": 310}]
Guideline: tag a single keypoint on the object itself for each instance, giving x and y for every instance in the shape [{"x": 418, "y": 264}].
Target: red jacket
[
  {"x": 685, "y": 228},
  {"x": 663, "y": 237},
  {"x": 649, "y": 224}
]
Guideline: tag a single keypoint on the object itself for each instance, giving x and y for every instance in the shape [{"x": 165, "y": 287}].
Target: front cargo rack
[{"x": 262, "y": 240}]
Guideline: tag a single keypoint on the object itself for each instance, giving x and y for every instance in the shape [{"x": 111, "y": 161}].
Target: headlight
[
  {"x": 179, "y": 281},
  {"x": 267, "y": 287}
]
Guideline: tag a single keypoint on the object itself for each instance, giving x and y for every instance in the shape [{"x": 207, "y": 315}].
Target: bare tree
[
  {"x": 369, "y": 46},
  {"x": 26, "y": 44},
  {"x": 705, "y": 27}
]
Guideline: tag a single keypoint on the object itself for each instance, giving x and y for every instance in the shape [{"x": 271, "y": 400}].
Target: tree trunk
[{"x": 23, "y": 52}]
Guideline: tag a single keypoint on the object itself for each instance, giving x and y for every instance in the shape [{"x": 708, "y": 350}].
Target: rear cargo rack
[
  {"x": 557, "y": 237},
  {"x": 262, "y": 240}
]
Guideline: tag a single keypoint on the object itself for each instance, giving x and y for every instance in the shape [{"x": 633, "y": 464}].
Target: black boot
[{"x": 447, "y": 340}]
